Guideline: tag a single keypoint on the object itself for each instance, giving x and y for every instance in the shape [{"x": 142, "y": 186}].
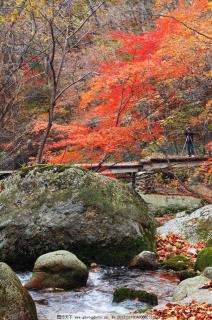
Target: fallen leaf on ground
[
  {"x": 192, "y": 311},
  {"x": 207, "y": 285},
  {"x": 171, "y": 245}
]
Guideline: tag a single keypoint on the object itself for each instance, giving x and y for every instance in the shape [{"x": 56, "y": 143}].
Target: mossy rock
[
  {"x": 168, "y": 210},
  {"x": 204, "y": 259},
  {"x": 15, "y": 301},
  {"x": 142, "y": 310},
  {"x": 186, "y": 274},
  {"x": 59, "y": 269},
  {"x": 177, "y": 263},
  {"x": 24, "y": 170},
  {"x": 122, "y": 294},
  {"x": 54, "y": 208}
]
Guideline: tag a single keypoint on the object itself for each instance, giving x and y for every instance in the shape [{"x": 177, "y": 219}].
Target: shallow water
[{"x": 96, "y": 298}]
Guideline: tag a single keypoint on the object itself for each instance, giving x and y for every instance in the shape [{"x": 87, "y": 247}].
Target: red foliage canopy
[{"x": 122, "y": 108}]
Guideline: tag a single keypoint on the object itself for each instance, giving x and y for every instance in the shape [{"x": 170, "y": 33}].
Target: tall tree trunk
[{"x": 46, "y": 133}]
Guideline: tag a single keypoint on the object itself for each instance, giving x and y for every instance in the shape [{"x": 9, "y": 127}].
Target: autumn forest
[{"x": 89, "y": 81}]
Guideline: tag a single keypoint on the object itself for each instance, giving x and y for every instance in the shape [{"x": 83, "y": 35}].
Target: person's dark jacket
[{"x": 189, "y": 135}]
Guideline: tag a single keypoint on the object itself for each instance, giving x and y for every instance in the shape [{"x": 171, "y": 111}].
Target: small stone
[
  {"x": 192, "y": 251},
  {"x": 169, "y": 247},
  {"x": 180, "y": 214},
  {"x": 93, "y": 265},
  {"x": 146, "y": 260},
  {"x": 208, "y": 273},
  {"x": 43, "y": 302}
]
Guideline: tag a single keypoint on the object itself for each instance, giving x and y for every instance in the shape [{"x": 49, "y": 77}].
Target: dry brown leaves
[
  {"x": 192, "y": 311},
  {"x": 172, "y": 244},
  {"x": 207, "y": 285}
]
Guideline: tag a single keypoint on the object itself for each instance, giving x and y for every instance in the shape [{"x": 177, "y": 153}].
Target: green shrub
[
  {"x": 177, "y": 263},
  {"x": 209, "y": 243},
  {"x": 168, "y": 210},
  {"x": 204, "y": 259}
]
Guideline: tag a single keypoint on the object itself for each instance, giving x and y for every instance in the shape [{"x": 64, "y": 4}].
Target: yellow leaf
[{"x": 2, "y": 19}]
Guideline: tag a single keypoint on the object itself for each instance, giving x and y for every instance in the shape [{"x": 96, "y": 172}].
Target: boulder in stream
[
  {"x": 59, "y": 269},
  {"x": 96, "y": 217},
  {"x": 190, "y": 289},
  {"x": 122, "y": 294},
  {"x": 145, "y": 260},
  {"x": 15, "y": 301}
]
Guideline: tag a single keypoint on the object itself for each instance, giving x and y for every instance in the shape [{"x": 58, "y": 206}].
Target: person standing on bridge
[{"x": 189, "y": 141}]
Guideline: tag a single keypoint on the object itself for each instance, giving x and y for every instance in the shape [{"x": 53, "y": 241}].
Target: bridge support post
[
  {"x": 144, "y": 182},
  {"x": 133, "y": 180}
]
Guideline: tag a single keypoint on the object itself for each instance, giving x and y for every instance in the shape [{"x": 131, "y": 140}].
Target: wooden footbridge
[
  {"x": 140, "y": 173},
  {"x": 136, "y": 166},
  {"x": 146, "y": 165}
]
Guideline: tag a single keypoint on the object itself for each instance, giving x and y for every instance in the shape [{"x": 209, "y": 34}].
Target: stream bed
[{"x": 97, "y": 297}]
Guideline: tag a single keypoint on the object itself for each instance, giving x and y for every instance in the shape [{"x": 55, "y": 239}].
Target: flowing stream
[{"x": 97, "y": 297}]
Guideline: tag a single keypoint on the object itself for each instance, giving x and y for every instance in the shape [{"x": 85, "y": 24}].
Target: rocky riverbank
[{"x": 100, "y": 220}]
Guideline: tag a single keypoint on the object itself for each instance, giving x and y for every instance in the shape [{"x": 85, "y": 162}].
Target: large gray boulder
[
  {"x": 190, "y": 289},
  {"x": 195, "y": 227},
  {"x": 97, "y": 218},
  {"x": 15, "y": 301},
  {"x": 59, "y": 269}
]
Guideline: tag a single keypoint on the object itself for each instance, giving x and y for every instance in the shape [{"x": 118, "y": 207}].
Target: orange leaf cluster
[
  {"x": 191, "y": 311},
  {"x": 204, "y": 172},
  {"x": 172, "y": 245}
]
